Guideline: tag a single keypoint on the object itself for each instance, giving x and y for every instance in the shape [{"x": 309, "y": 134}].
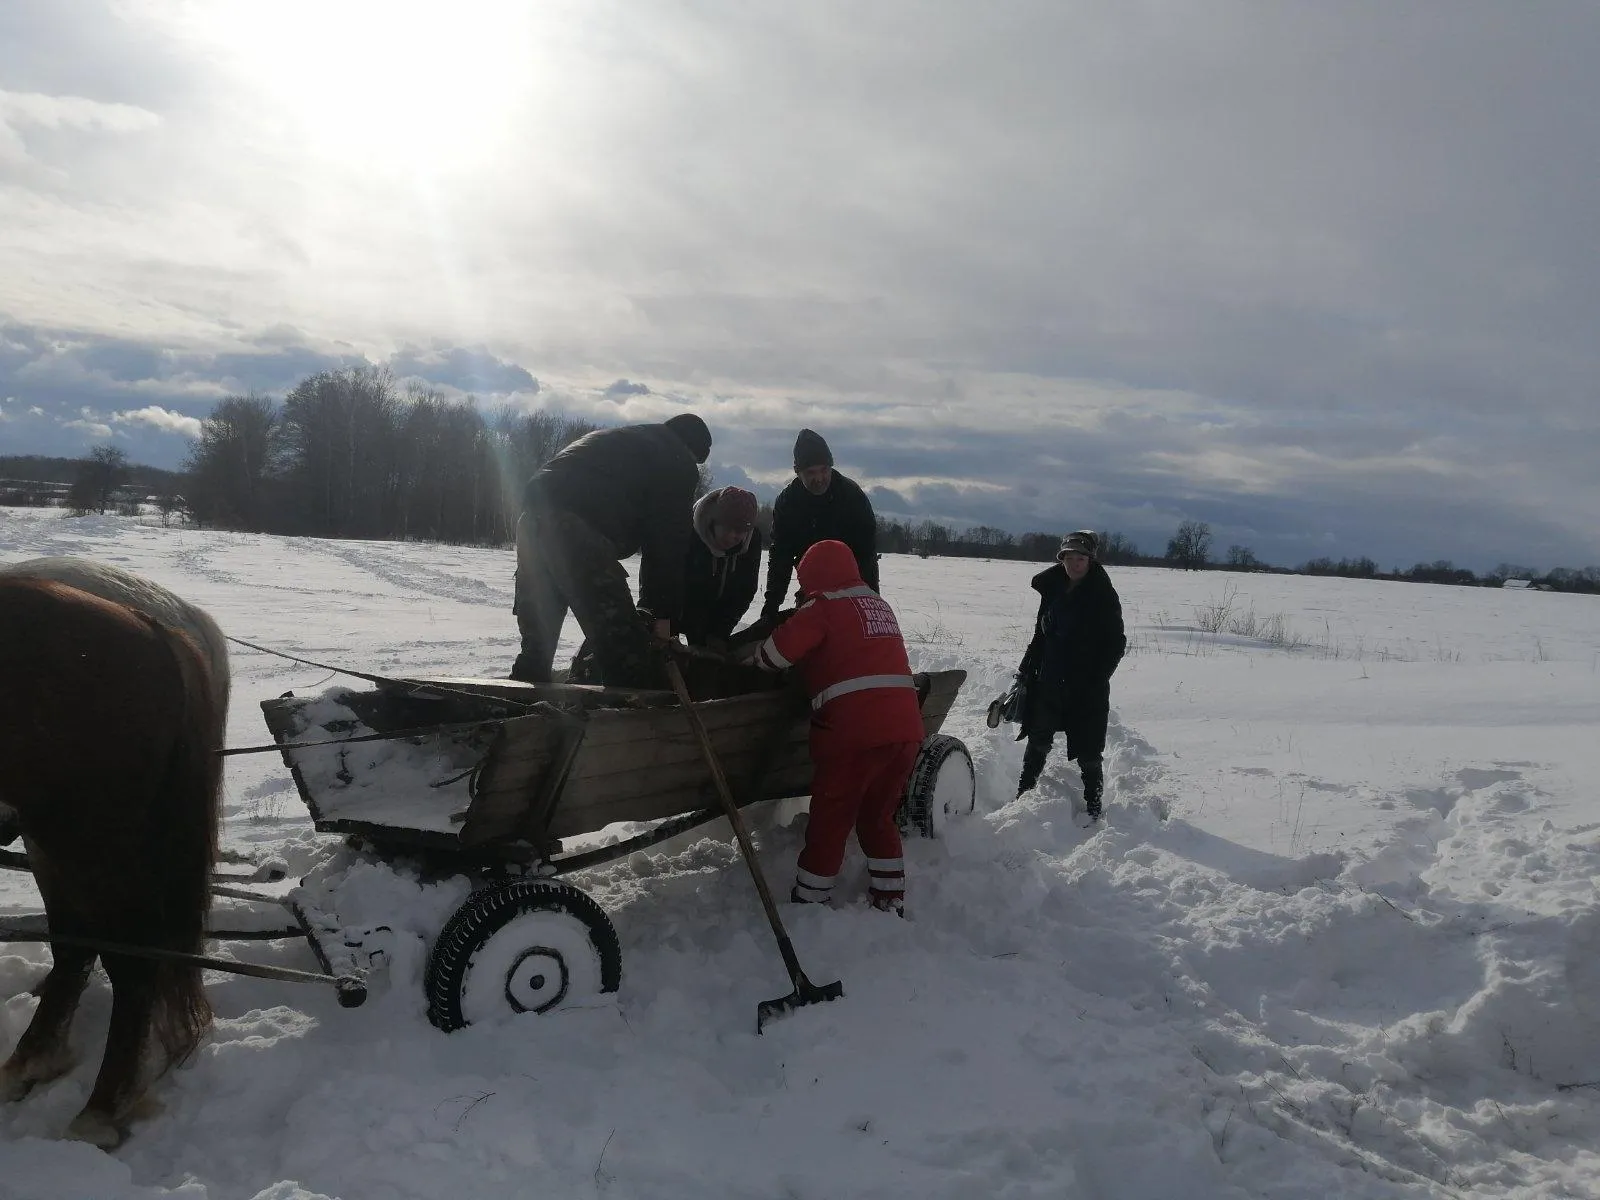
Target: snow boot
[
  {"x": 1093, "y": 788},
  {"x": 894, "y": 904}
]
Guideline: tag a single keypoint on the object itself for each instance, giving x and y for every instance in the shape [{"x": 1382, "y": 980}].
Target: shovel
[{"x": 805, "y": 992}]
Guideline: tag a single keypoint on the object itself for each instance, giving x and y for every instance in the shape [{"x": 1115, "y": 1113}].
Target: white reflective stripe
[
  {"x": 817, "y": 883},
  {"x": 886, "y": 866},
  {"x": 769, "y": 652},
  {"x": 863, "y": 590},
  {"x": 860, "y": 684}
]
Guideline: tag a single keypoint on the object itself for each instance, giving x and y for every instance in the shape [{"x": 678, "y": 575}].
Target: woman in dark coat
[{"x": 1078, "y": 641}]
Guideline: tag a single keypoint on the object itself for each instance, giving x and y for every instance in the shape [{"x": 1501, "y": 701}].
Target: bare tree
[
  {"x": 230, "y": 466},
  {"x": 1190, "y": 547},
  {"x": 1512, "y": 571},
  {"x": 1118, "y": 548},
  {"x": 100, "y": 473},
  {"x": 339, "y": 434},
  {"x": 169, "y": 504},
  {"x": 1242, "y": 558}
]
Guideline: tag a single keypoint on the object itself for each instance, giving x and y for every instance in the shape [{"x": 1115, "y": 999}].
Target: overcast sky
[{"x": 1324, "y": 275}]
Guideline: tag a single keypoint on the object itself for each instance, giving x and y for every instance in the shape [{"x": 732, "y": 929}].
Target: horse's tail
[{"x": 185, "y": 812}]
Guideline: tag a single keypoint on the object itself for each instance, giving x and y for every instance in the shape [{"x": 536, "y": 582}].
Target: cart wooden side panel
[{"x": 545, "y": 764}]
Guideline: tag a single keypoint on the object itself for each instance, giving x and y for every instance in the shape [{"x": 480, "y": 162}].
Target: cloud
[
  {"x": 72, "y": 112},
  {"x": 1325, "y": 278},
  {"x": 464, "y": 368},
  {"x": 160, "y": 418}
]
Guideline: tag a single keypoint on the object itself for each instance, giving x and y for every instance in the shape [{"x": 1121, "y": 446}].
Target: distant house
[{"x": 1520, "y": 584}]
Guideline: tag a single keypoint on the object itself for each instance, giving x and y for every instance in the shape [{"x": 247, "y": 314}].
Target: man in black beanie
[
  {"x": 609, "y": 495},
  {"x": 818, "y": 505}
]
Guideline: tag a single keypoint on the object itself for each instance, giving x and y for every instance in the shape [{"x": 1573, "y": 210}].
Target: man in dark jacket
[
  {"x": 1078, "y": 641},
  {"x": 819, "y": 505},
  {"x": 723, "y": 565},
  {"x": 609, "y": 495}
]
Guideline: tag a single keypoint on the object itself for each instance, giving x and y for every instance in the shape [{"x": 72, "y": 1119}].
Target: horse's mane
[{"x": 122, "y": 587}]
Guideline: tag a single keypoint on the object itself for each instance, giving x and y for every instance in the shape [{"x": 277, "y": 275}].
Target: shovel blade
[{"x": 805, "y": 993}]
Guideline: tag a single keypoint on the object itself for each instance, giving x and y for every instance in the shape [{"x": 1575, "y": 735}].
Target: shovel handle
[{"x": 736, "y": 819}]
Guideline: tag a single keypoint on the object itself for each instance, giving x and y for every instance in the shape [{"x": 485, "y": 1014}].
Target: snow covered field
[{"x": 1339, "y": 936}]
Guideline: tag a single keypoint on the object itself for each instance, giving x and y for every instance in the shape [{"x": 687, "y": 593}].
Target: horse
[{"x": 113, "y": 703}]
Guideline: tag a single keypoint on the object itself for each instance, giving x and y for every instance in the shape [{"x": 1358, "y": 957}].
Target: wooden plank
[
  {"x": 943, "y": 688},
  {"x": 665, "y": 753},
  {"x": 674, "y": 776},
  {"x": 752, "y": 714},
  {"x": 641, "y": 770},
  {"x": 584, "y": 694},
  {"x": 510, "y": 775}
]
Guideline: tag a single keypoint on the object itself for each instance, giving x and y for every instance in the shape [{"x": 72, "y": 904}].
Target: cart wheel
[
  {"x": 527, "y": 946},
  {"x": 942, "y": 785}
]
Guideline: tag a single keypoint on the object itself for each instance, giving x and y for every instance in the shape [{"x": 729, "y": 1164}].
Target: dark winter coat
[
  {"x": 800, "y": 520},
  {"x": 1078, "y": 640},
  {"x": 718, "y": 585},
  {"x": 634, "y": 485}
]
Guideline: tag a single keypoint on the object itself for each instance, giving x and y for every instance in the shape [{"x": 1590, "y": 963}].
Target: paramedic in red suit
[{"x": 866, "y": 727}]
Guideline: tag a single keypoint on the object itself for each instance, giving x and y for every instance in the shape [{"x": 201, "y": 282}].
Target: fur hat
[
  {"x": 692, "y": 432},
  {"x": 1084, "y": 541},
  {"x": 735, "y": 508},
  {"x": 811, "y": 451}
]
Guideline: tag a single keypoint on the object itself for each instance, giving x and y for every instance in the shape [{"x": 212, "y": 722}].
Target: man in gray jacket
[{"x": 609, "y": 495}]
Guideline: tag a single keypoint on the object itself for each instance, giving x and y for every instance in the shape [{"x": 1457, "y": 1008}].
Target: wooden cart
[{"x": 494, "y": 780}]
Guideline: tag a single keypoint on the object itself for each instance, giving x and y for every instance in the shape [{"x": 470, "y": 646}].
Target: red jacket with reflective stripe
[{"x": 846, "y": 634}]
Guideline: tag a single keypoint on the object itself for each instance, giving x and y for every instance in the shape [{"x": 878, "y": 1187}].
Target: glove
[{"x": 769, "y": 610}]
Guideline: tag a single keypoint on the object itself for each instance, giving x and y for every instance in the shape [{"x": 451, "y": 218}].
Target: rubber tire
[
  {"x": 485, "y": 913},
  {"x": 918, "y": 811}
]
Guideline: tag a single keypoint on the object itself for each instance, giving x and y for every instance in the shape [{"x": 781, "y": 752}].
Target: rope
[
  {"x": 419, "y": 731},
  {"x": 313, "y": 663}
]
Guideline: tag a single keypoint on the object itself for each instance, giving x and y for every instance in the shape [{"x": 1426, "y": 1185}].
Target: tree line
[
  {"x": 1191, "y": 548},
  {"x": 349, "y": 453}
]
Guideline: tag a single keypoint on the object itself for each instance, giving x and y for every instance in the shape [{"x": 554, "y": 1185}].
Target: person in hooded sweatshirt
[
  {"x": 723, "y": 566},
  {"x": 1078, "y": 640},
  {"x": 609, "y": 495},
  {"x": 866, "y": 722},
  {"x": 819, "y": 503}
]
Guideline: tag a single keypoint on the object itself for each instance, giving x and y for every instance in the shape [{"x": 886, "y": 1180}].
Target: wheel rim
[
  {"x": 953, "y": 790},
  {"x": 537, "y": 981},
  {"x": 537, "y": 961}
]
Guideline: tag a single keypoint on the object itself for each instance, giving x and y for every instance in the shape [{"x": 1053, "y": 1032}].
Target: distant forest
[{"x": 349, "y": 453}]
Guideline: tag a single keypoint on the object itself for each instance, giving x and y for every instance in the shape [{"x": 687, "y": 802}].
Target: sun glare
[{"x": 390, "y": 82}]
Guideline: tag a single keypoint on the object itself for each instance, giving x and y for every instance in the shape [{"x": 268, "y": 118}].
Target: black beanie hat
[
  {"x": 811, "y": 451},
  {"x": 692, "y": 432}
]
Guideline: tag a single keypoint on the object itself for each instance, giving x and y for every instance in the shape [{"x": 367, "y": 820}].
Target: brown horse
[{"x": 110, "y": 719}]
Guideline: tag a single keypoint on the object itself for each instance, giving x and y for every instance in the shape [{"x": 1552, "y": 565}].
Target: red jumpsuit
[{"x": 866, "y": 725}]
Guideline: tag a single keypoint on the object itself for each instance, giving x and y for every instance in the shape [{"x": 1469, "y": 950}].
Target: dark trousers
[
  {"x": 563, "y": 563},
  {"x": 1042, "y": 728}
]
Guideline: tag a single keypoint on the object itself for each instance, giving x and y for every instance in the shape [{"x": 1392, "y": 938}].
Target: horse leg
[
  {"x": 104, "y": 1119},
  {"x": 42, "y": 1053}
]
